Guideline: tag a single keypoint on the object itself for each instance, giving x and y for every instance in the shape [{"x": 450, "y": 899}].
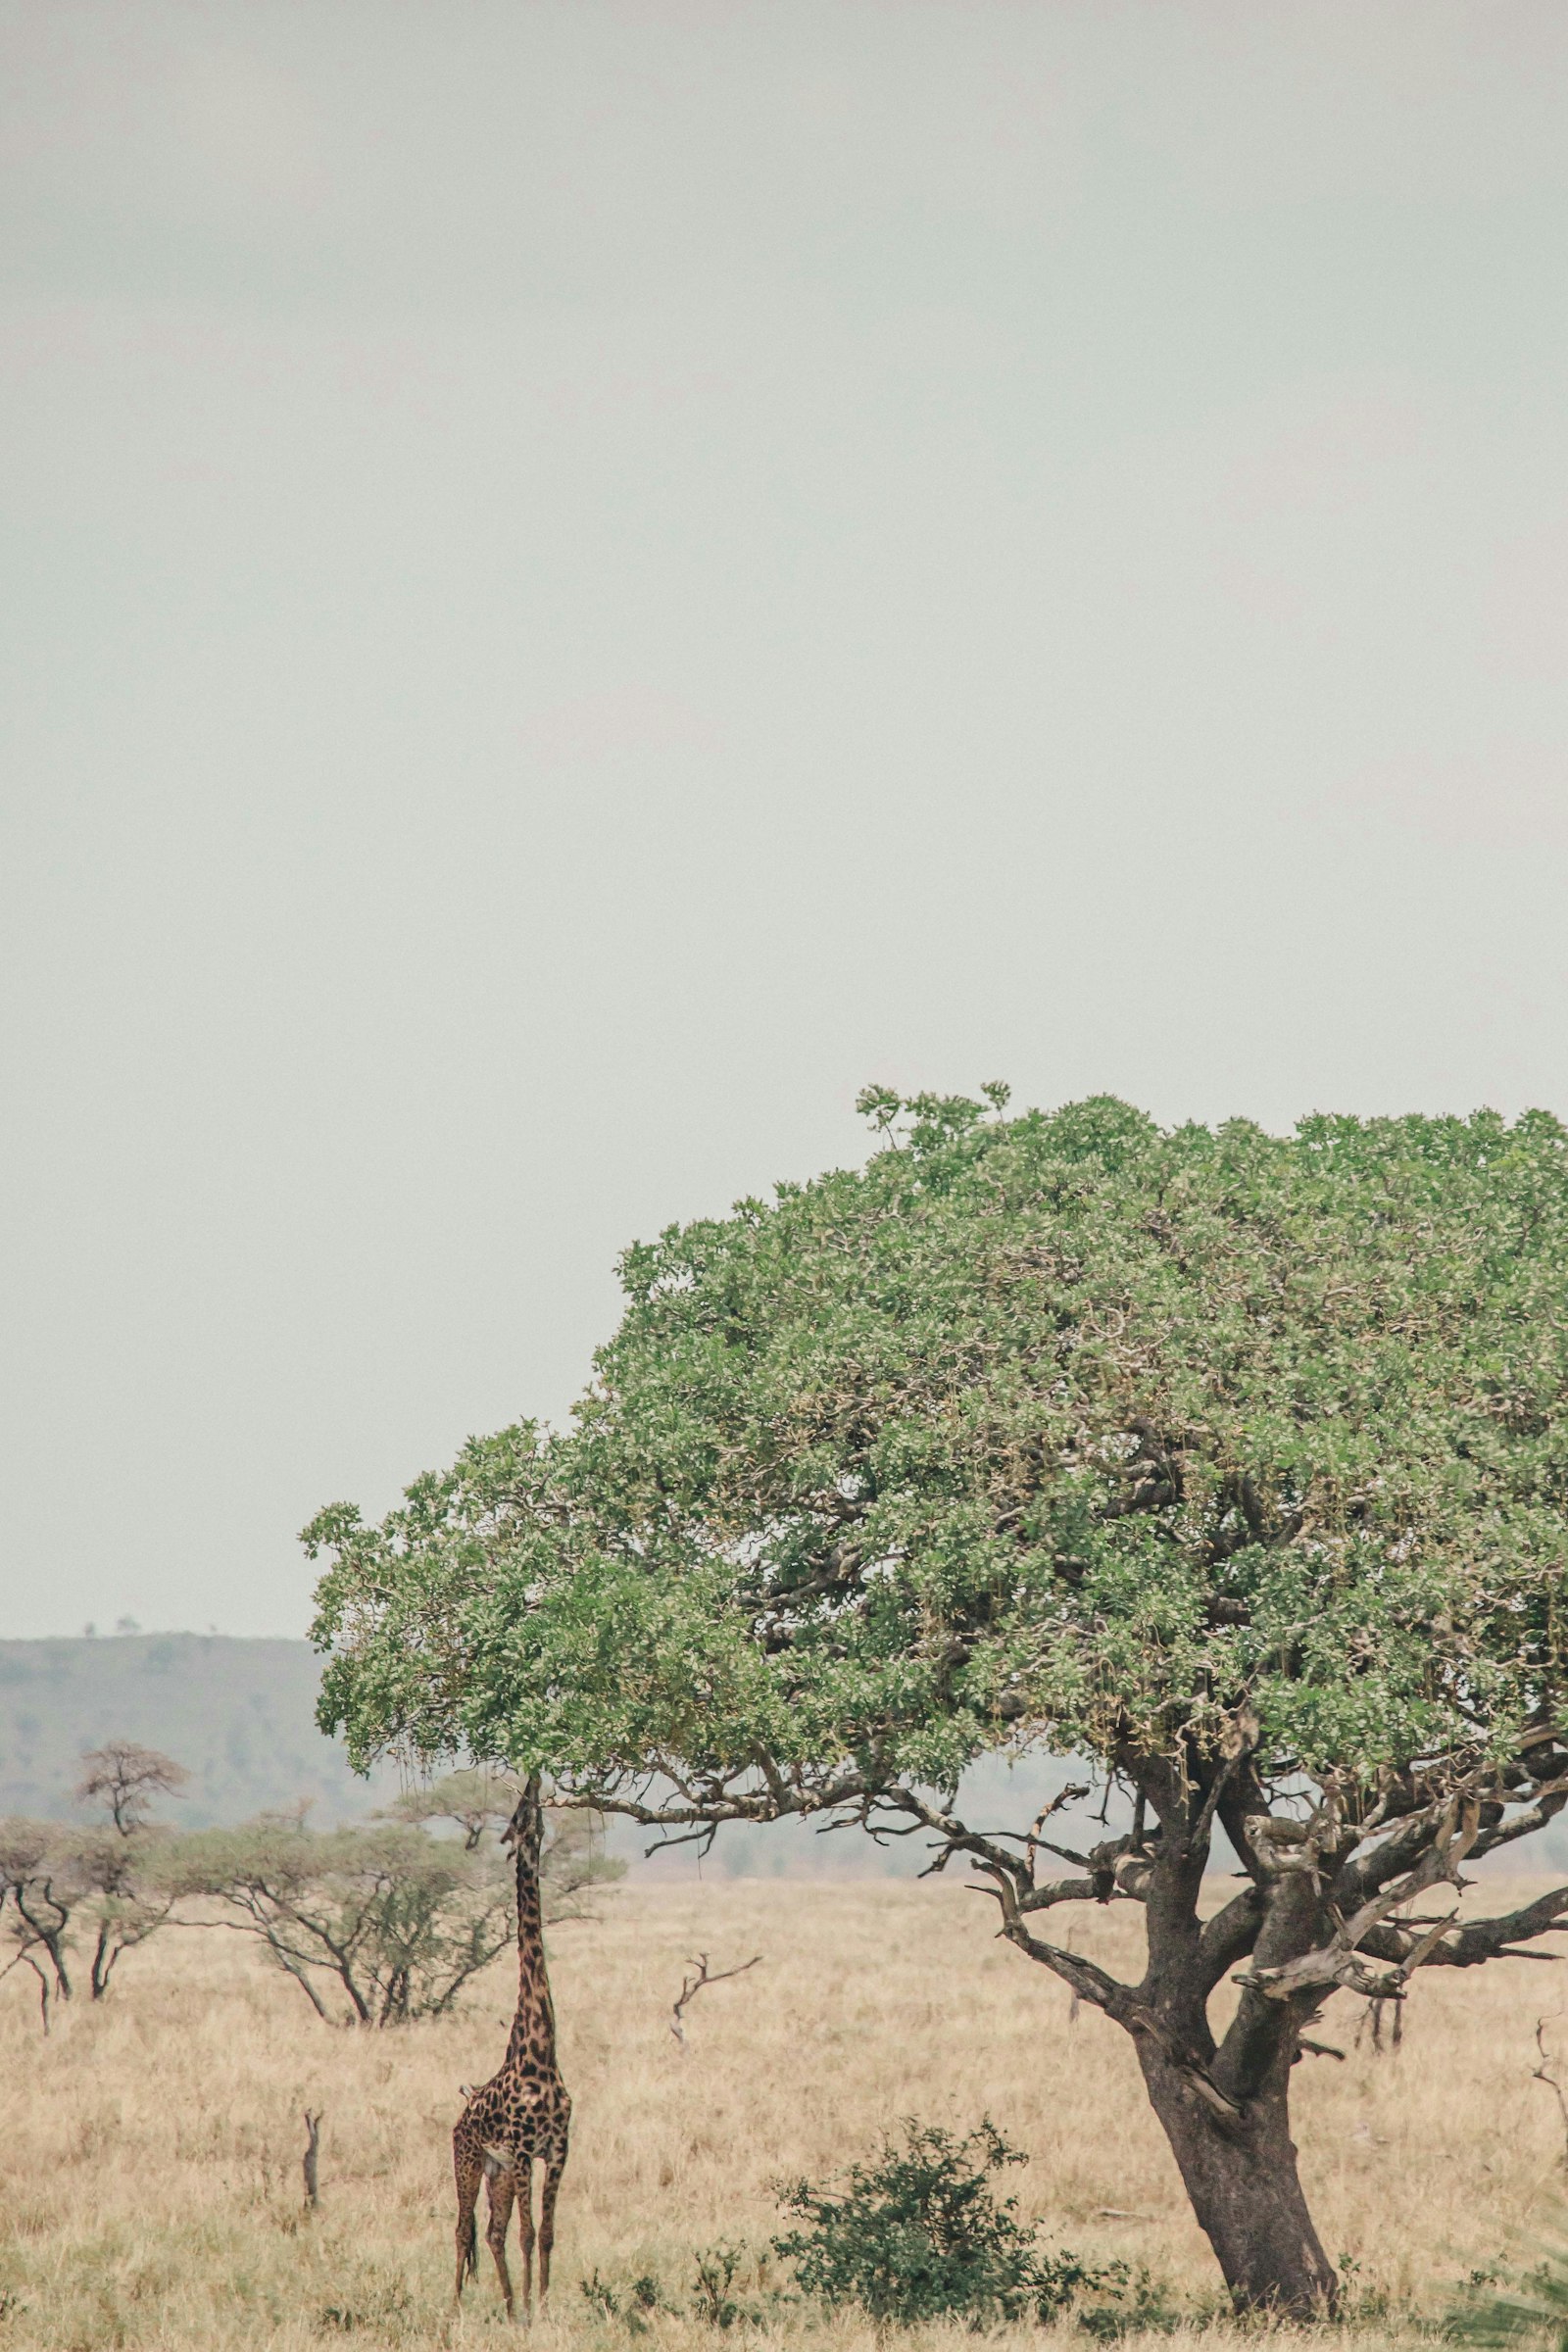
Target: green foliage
[
  {"x": 1137, "y": 2303},
  {"x": 599, "y": 2295},
  {"x": 921, "y": 2234},
  {"x": 608, "y": 2303},
  {"x": 376, "y": 1926},
  {"x": 1363, "y": 2302},
  {"x": 713, "y": 2300},
  {"x": 1052, "y": 1430},
  {"x": 475, "y": 1801}
]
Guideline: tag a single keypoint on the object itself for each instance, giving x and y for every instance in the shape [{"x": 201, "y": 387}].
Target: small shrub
[
  {"x": 599, "y": 2295},
  {"x": 1363, "y": 2303},
  {"x": 1139, "y": 2305},
  {"x": 715, "y": 2276},
  {"x": 386, "y": 2309},
  {"x": 714, "y": 2300},
  {"x": 921, "y": 2234},
  {"x": 643, "y": 2297}
]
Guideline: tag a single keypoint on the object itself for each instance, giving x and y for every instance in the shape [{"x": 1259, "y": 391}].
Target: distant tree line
[{"x": 376, "y": 1924}]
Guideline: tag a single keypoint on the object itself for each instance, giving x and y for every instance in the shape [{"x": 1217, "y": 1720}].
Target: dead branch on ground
[{"x": 692, "y": 1985}]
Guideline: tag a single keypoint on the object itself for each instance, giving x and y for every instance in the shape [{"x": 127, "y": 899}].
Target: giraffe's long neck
[{"x": 534, "y": 2027}]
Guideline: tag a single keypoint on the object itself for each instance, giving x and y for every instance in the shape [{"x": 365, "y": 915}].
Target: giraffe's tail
[{"x": 471, "y": 2252}]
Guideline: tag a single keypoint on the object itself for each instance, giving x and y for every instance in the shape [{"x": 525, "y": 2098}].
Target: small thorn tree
[{"x": 1235, "y": 1463}]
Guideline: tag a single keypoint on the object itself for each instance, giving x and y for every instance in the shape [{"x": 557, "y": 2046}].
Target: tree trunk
[{"x": 1240, "y": 2173}]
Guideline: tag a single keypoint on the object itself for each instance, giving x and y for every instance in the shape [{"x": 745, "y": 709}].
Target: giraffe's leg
[
  {"x": 501, "y": 2183},
  {"x": 470, "y": 2173},
  {"x": 554, "y": 2166},
  {"x": 525, "y": 2231}
]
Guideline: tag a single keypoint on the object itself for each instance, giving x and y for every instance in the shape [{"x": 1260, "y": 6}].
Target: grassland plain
[{"x": 150, "y": 2149}]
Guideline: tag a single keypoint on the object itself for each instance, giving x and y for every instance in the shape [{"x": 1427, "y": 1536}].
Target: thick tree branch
[
  {"x": 1468, "y": 1942},
  {"x": 1260, "y": 2040},
  {"x": 1546, "y": 1804},
  {"x": 1072, "y": 1891},
  {"x": 1370, "y": 1867},
  {"x": 1229, "y": 1936}
]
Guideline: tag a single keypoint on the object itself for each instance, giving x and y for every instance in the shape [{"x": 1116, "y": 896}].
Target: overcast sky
[{"x": 581, "y": 580}]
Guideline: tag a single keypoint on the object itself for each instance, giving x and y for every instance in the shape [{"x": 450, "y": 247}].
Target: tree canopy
[{"x": 1057, "y": 1430}]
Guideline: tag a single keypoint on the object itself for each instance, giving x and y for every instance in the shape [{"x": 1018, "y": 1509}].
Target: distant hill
[{"x": 238, "y": 1715}]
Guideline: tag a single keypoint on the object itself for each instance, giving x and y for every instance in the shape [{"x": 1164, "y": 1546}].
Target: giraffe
[{"x": 524, "y": 2111}]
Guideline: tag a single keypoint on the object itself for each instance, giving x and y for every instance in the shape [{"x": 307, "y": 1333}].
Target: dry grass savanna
[{"x": 151, "y": 2190}]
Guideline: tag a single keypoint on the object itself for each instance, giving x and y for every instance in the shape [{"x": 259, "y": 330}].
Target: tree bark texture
[
  {"x": 1225, "y": 2107},
  {"x": 1240, "y": 2175}
]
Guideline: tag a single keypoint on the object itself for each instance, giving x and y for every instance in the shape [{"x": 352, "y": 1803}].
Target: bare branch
[
  {"x": 711, "y": 1799},
  {"x": 1467, "y": 1943},
  {"x": 1070, "y": 1794},
  {"x": 692, "y": 1985},
  {"x": 1088, "y": 1982},
  {"x": 1059, "y": 1890},
  {"x": 1365, "y": 1872}
]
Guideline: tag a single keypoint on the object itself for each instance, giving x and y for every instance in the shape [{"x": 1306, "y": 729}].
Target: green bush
[
  {"x": 715, "y": 2274},
  {"x": 921, "y": 2234},
  {"x": 712, "y": 2301}
]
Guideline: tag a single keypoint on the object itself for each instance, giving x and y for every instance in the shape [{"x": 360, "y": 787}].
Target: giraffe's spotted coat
[{"x": 523, "y": 2113}]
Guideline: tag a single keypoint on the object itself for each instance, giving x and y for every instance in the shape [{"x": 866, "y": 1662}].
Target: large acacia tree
[{"x": 1234, "y": 1463}]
